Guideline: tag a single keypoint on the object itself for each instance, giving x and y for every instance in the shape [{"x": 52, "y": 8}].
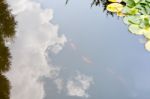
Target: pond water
[{"x": 69, "y": 51}]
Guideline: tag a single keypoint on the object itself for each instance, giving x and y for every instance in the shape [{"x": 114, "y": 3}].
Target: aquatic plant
[{"x": 136, "y": 14}]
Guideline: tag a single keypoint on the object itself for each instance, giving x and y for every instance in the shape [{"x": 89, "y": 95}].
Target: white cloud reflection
[
  {"x": 35, "y": 34},
  {"x": 79, "y": 86},
  {"x": 59, "y": 84}
]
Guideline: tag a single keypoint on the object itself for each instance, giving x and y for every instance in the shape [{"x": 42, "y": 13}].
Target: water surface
[{"x": 70, "y": 51}]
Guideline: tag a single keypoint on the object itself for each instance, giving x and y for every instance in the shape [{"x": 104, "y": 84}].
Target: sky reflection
[{"x": 87, "y": 55}]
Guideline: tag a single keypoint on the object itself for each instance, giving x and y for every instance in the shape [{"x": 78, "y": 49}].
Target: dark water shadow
[{"x": 7, "y": 31}]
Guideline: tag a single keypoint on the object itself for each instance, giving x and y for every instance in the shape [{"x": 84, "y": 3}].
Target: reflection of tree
[
  {"x": 4, "y": 57},
  {"x": 4, "y": 87},
  {"x": 7, "y": 30},
  {"x": 7, "y": 22},
  {"x": 104, "y": 4}
]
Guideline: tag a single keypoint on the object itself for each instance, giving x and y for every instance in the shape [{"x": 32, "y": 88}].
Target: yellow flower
[
  {"x": 115, "y": 7},
  {"x": 114, "y": 0}
]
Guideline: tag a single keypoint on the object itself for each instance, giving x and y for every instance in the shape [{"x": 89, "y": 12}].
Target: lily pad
[{"x": 115, "y": 7}]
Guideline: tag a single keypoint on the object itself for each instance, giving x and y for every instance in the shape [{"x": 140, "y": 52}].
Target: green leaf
[
  {"x": 136, "y": 1},
  {"x": 135, "y": 29}
]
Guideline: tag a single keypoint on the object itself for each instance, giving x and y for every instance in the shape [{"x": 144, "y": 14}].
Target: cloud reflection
[
  {"x": 35, "y": 34},
  {"x": 79, "y": 86}
]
